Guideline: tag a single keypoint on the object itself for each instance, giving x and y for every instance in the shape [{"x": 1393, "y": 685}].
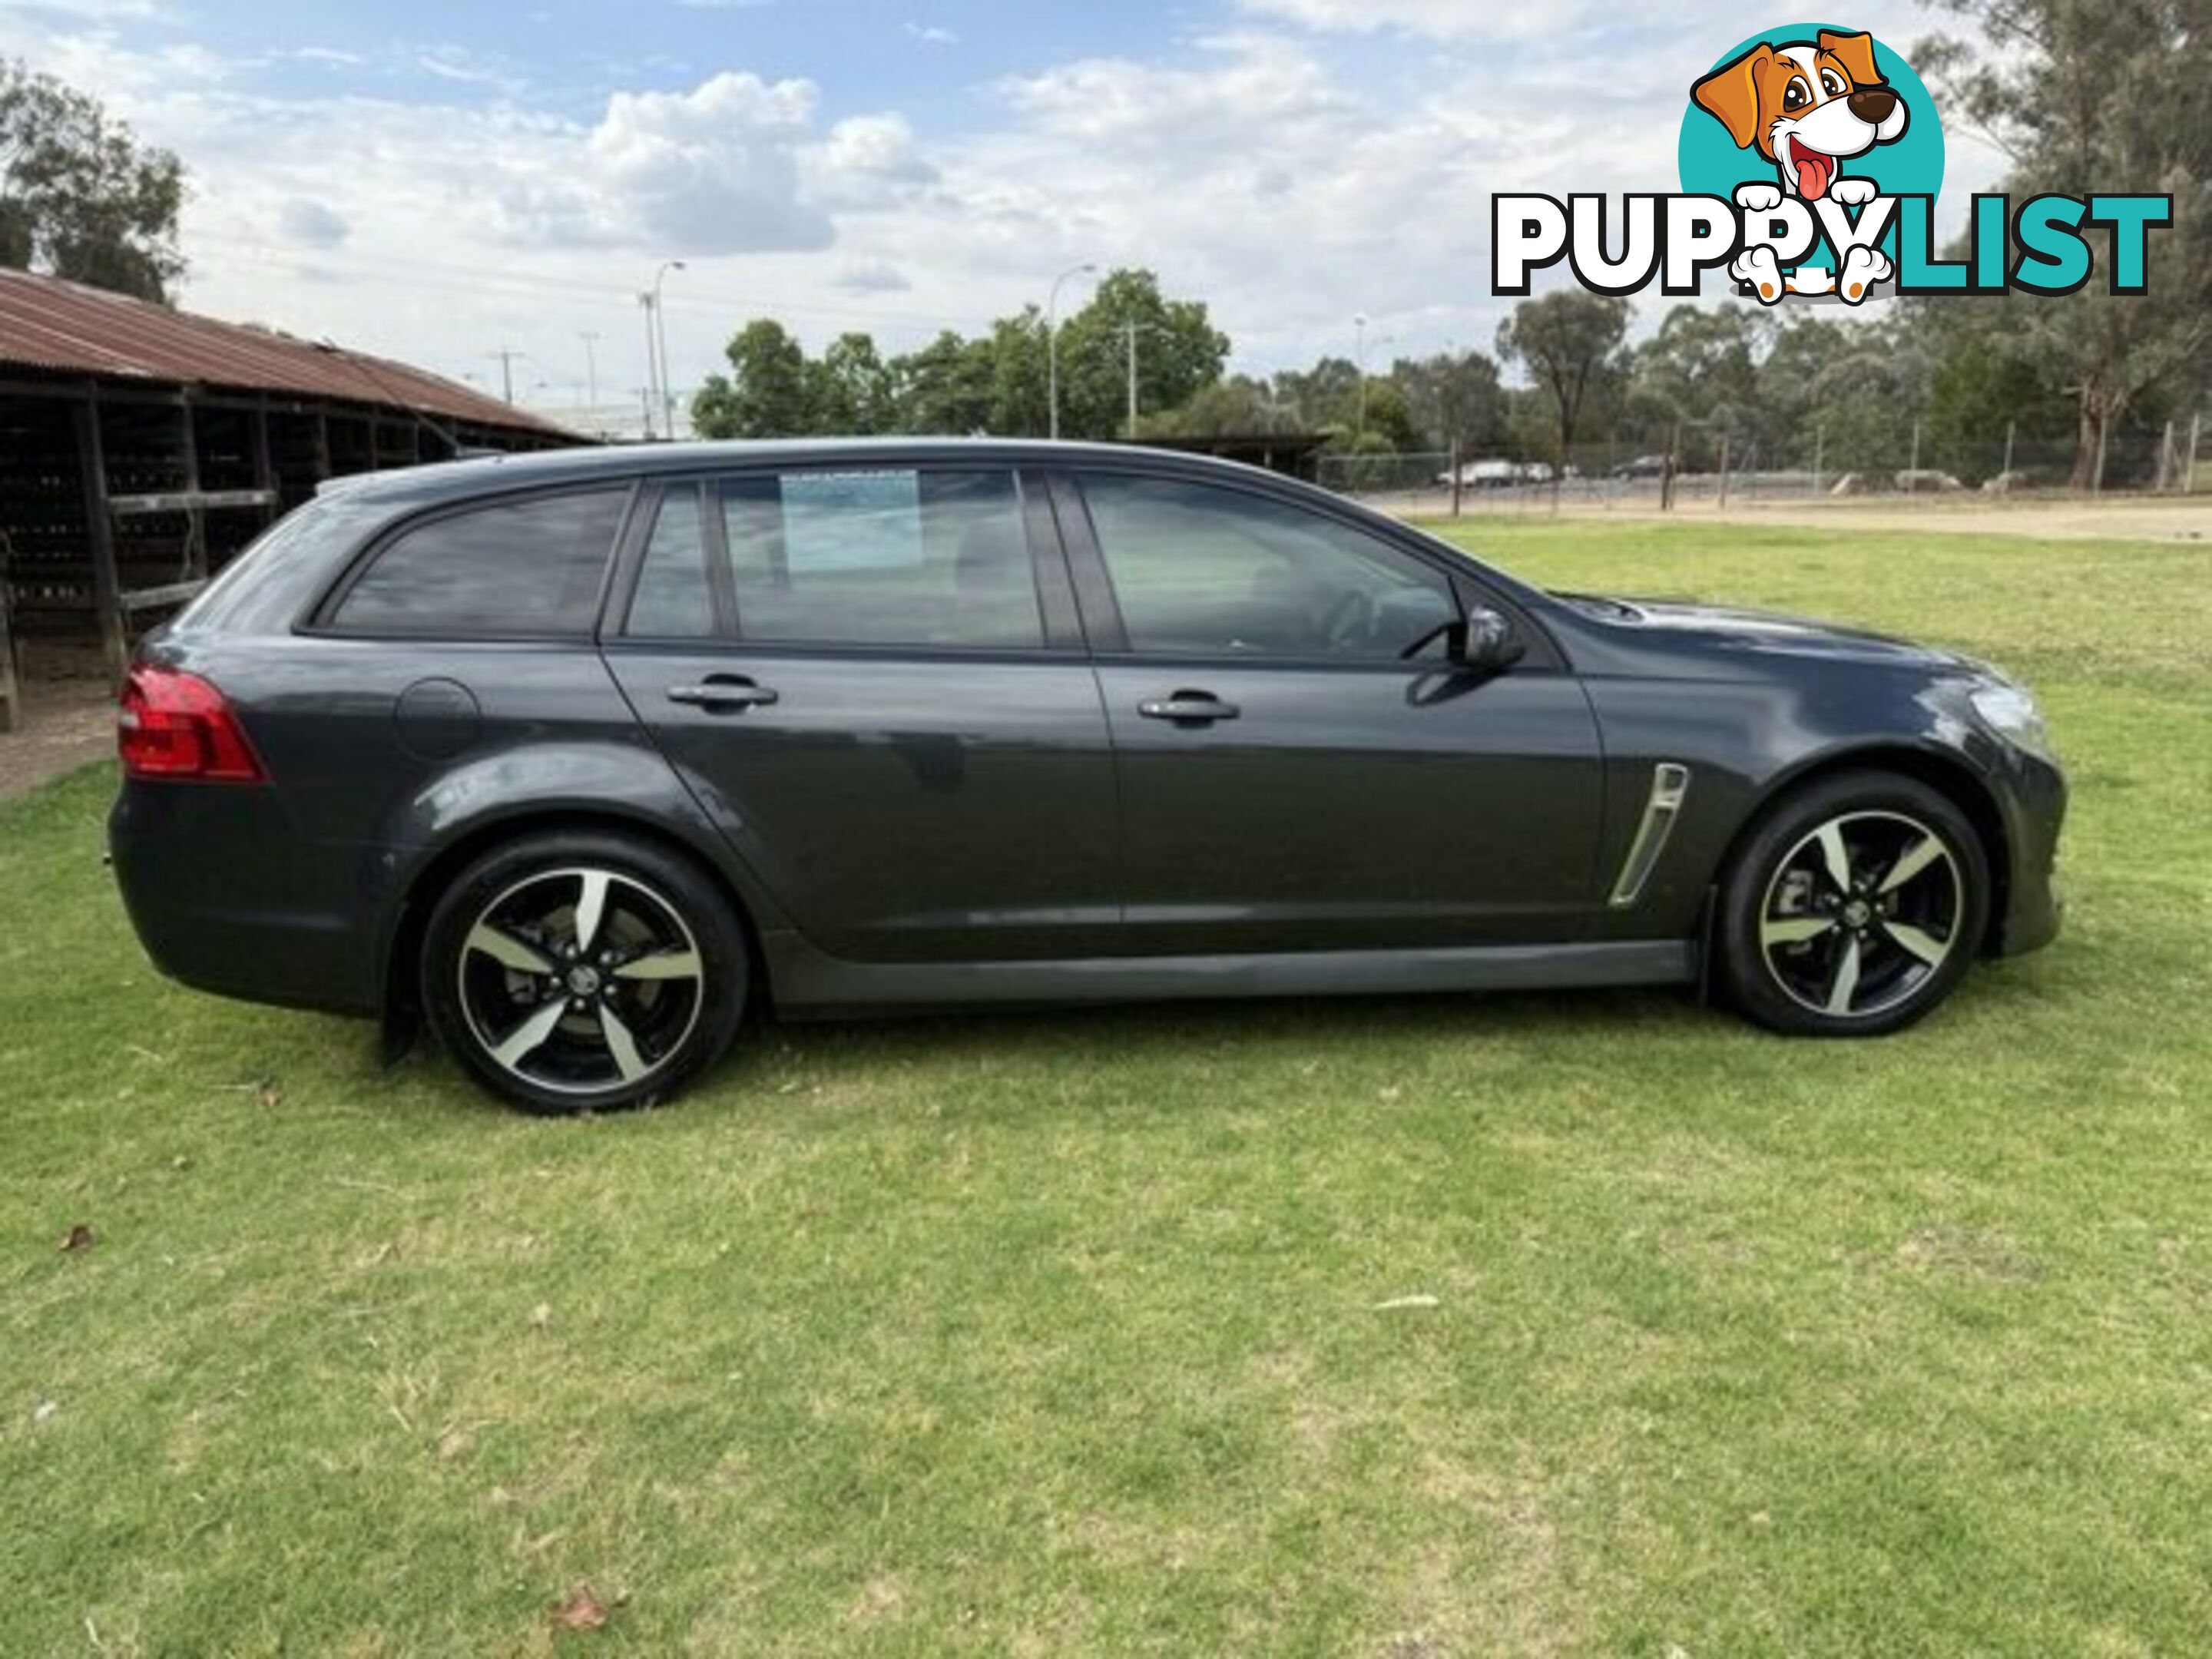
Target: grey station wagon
[{"x": 582, "y": 756}]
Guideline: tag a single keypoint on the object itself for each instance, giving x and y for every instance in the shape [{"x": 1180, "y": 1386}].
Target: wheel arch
[
  {"x": 1947, "y": 773},
  {"x": 411, "y": 914}
]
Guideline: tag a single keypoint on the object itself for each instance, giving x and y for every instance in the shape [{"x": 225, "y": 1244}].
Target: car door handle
[
  {"x": 1189, "y": 707},
  {"x": 716, "y": 691}
]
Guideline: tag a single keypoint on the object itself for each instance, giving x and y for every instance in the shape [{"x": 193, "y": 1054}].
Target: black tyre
[
  {"x": 1856, "y": 905},
  {"x": 584, "y": 972}
]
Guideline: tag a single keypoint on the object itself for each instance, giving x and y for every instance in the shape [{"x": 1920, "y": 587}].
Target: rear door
[
  {"x": 871, "y": 677},
  {"x": 1288, "y": 780}
]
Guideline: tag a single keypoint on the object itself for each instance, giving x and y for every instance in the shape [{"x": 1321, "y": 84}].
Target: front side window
[
  {"x": 882, "y": 557},
  {"x": 1201, "y": 570},
  {"x": 513, "y": 569}
]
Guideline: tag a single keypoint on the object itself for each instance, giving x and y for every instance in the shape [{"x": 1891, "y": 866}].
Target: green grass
[{"x": 1056, "y": 1334}]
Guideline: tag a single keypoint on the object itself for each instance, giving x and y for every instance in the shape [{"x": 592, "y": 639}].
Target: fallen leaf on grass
[
  {"x": 581, "y": 1611},
  {"x": 1397, "y": 1301},
  {"x": 80, "y": 1237},
  {"x": 43, "y": 1411}
]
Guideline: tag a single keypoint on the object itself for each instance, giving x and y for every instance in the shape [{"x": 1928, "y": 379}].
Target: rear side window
[
  {"x": 514, "y": 569},
  {"x": 889, "y": 556},
  {"x": 675, "y": 594}
]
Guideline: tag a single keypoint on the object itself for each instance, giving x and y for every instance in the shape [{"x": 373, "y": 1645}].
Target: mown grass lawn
[{"x": 1055, "y": 1334}]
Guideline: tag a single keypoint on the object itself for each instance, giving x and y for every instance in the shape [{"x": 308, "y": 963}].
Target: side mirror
[{"x": 1485, "y": 642}]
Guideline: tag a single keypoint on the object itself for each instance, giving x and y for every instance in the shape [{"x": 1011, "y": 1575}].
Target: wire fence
[{"x": 1901, "y": 465}]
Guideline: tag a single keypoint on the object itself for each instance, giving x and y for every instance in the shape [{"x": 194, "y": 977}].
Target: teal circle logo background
[{"x": 1712, "y": 165}]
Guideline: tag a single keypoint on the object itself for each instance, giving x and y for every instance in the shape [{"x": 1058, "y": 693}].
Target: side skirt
[{"x": 803, "y": 983}]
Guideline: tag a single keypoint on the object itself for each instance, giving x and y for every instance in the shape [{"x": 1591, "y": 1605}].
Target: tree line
[{"x": 1127, "y": 340}]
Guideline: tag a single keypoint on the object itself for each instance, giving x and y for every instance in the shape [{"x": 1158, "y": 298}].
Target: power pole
[
  {"x": 1130, "y": 328},
  {"x": 590, "y": 336},
  {"x": 506, "y": 357}
]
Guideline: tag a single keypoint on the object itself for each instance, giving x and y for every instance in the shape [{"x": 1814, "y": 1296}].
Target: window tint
[
  {"x": 674, "y": 599},
  {"x": 520, "y": 568},
  {"x": 1203, "y": 570},
  {"x": 882, "y": 556}
]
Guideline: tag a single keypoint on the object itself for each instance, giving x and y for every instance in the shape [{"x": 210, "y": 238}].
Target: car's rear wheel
[
  {"x": 1854, "y": 908},
  {"x": 583, "y": 972}
]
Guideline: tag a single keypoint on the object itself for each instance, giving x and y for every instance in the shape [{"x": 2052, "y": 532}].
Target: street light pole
[
  {"x": 1051, "y": 345},
  {"x": 661, "y": 327},
  {"x": 1360, "y": 369},
  {"x": 652, "y": 372}
]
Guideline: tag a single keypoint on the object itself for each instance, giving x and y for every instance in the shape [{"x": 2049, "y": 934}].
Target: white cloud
[
  {"x": 871, "y": 277},
  {"x": 867, "y": 162},
  {"x": 931, "y": 34},
  {"x": 310, "y": 224},
  {"x": 715, "y": 170},
  {"x": 1442, "y": 19},
  {"x": 468, "y": 68}
]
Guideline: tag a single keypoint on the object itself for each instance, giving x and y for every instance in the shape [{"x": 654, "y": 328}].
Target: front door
[
  {"x": 1288, "y": 780},
  {"x": 853, "y": 670}
]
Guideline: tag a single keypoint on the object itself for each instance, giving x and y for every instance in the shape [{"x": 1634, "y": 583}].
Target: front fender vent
[{"x": 1670, "y": 785}]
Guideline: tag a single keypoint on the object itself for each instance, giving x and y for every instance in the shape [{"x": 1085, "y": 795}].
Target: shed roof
[{"x": 66, "y": 327}]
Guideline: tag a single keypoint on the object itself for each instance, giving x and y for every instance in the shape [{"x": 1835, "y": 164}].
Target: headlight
[{"x": 2012, "y": 713}]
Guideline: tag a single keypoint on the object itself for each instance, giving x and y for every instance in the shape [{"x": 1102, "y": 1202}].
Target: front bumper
[{"x": 2032, "y": 793}]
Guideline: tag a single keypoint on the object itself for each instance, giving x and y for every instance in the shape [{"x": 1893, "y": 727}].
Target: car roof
[{"x": 457, "y": 480}]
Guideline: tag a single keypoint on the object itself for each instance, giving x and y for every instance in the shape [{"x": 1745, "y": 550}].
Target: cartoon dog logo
[{"x": 1806, "y": 107}]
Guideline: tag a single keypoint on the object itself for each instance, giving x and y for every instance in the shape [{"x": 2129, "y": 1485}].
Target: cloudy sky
[{"x": 438, "y": 182}]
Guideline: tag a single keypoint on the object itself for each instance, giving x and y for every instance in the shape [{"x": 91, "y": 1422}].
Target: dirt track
[
  {"x": 2175, "y": 519},
  {"x": 67, "y": 723}
]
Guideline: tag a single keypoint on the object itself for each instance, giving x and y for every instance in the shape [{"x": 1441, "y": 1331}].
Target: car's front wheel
[
  {"x": 583, "y": 972},
  {"x": 1856, "y": 906}
]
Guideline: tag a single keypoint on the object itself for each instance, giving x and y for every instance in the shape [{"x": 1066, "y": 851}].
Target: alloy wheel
[
  {"x": 1861, "y": 914},
  {"x": 580, "y": 980}
]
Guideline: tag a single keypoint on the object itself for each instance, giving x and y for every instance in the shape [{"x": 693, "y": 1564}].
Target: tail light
[{"x": 175, "y": 724}]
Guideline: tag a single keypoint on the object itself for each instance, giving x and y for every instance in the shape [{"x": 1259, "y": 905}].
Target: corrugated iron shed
[{"x": 66, "y": 328}]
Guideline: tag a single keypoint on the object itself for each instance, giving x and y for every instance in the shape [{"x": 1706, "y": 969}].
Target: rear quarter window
[
  {"x": 267, "y": 585},
  {"x": 510, "y": 570}
]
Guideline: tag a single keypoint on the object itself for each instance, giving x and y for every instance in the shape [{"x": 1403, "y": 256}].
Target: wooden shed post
[
  {"x": 195, "y": 547},
  {"x": 11, "y": 693},
  {"x": 99, "y": 532},
  {"x": 264, "y": 468}
]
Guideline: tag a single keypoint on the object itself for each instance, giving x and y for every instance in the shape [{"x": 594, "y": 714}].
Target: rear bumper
[
  {"x": 227, "y": 898},
  {"x": 2034, "y": 796}
]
